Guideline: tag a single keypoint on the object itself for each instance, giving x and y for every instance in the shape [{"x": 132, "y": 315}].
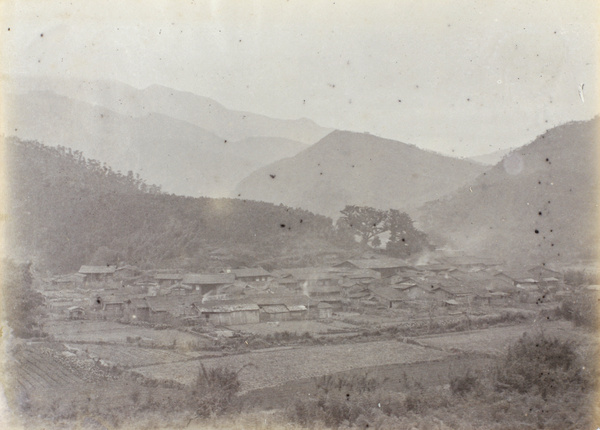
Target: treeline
[{"x": 65, "y": 211}]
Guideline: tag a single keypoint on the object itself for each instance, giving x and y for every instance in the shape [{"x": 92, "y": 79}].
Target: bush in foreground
[{"x": 213, "y": 390}]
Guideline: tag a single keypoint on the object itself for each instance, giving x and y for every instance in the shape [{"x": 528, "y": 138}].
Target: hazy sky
[{"x": 462, "y": 77}]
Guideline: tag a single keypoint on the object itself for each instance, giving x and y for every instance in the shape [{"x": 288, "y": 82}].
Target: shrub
[
  {"x": 538, "y": 364},
  {"x": 580, "y": 310},
  {"x": 213, "y": 390},
  {"x": 579, "y": 277},
  {"x": 463, "y": 384}
]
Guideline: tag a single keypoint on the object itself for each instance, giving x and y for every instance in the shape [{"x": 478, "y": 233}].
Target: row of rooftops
[{"x": 349, "y": 269}]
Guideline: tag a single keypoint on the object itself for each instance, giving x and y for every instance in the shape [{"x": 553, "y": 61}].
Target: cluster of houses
[{"x": 252, "y": 295}]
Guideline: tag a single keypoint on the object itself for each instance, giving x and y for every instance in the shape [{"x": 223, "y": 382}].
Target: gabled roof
[
  {"x": 363, "y": 273},
  {"x": 139, "y": 303},
  {"x": 288, "y": 300},
  {"x": 324, "y": 305},
  {"x": 388, "y": 293},
  {"x": 404, "y": 285},
  {"x": 229, "y": 308},
  {"x": 168, "y": 276},
  {"x": 201, "y": 279},
  {"x": 436, "y": 267},
  {"x": 329, "y": 289},
  {"x": 378, "y": 263},
  {"x": 308, "y": 273},
  {"x": 160, "y": 303},
  {"x": 274, "y": 309},
  {"x": 253, "y": 272},
  {"x": 97, "y": 270},
  {"x": 526, "y": 281},
  {"x": 180, "y": 287},
  {"x": 539, "y": 270}
]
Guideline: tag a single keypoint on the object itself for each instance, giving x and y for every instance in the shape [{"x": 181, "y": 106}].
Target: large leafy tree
[
  {"x": 404, "y": 238},
  {"x": 364, "y": 221},
  {"x": 370, "y": 224}
]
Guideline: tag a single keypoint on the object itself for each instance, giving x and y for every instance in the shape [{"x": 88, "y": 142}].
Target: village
[{"x": 243, "y": 296}]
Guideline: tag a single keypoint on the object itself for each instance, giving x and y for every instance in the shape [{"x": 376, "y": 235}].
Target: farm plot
[
  {"x": 276, "y": 367},
  {"x": 297, "y": 327},
  {"x": 494, "y": 340},
  {"x": 34, "y": 372},
  {"x": 130, "y": 356},
  {"x": 112, "y": 332}
]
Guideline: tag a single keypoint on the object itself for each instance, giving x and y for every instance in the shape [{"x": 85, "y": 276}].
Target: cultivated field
[
  {"x": 131, "y": 356},
  {"x": 493, "y": 341},
  {"x": 269, "y": 368},
  {"x": 296, "y": 327},
  {"x": 112, "y": 332}
]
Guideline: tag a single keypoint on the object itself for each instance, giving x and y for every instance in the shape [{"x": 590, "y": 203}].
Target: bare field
[
  {"x": 495, "y": 340},
  {"x": 113, "y": 332},
  {"x": 276, "y": 367},
  {"x": 297, "y": 327},
  {"x": 131, "y": 356}
]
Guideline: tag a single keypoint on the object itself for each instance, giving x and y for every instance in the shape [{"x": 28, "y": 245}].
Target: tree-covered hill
[
  {"x": 538, "y": 205},
  {"x": 65, "y": 211}
]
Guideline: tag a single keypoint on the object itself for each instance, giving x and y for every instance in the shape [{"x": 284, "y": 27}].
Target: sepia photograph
[{"x": 286, "y": 214}]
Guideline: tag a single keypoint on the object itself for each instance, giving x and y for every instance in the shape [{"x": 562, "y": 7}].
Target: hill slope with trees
[
  {"x": 540, "y": 204},
  {"x": 65, "y": 211}
]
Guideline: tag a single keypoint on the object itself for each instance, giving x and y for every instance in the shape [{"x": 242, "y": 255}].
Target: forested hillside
[
  {"x": 65, "y": 211},
  {"x": 538, "y": 205}
]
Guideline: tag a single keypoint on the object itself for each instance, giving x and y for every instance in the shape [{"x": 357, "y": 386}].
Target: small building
[
  {"x": 274, "y": 313},
  {"x": 138, "y": 309},
  {"x": 127, "y": 272},
  {"x": 97, "y": 273},
  {"x": 540, "y": 272},
  {"x": 68, "y": 281},
  {"x": 203, "y": 283},
  {"x": 252, "y": 275},
  {"x": 180, "y": 290},
  {"x": 167, "y": 279},
  {"x": 526, "y": 284},
  {"x": 113, "y": 309},
  {"x": 297, "y": 312},
  {"x": 386, "y": 267},
  {"x": 231, "y": 314},
  {"x": 325, "y": 310},
  {"x": 391, "y": 298},
  {"x": 364, "y": 276},
  {"x": 158, "y": 310},
  {"x": 76, "y": 313}
]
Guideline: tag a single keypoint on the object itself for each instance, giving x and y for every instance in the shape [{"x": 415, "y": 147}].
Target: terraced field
[
  {"x": 37, "y": 372},
  {"x": 276, "y": 367}
]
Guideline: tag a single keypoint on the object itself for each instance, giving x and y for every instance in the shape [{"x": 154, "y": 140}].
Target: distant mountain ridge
[
  {"x": 180, "y": 156},
  {"x": 200, "y": 111},
  {"x": 539, "y": 204},
  {"x": 356, "y": 168}
]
